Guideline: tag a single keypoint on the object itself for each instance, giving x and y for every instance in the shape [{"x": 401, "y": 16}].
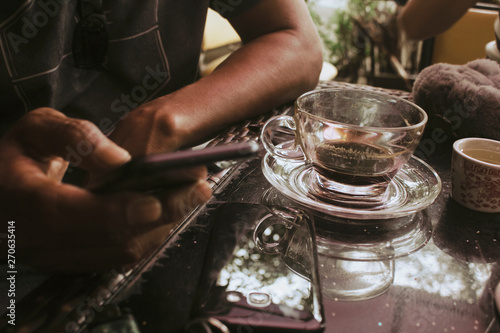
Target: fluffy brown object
[{"x": 463, "y": 100}]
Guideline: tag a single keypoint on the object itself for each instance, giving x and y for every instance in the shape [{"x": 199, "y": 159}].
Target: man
[
  {"x": 421, "y": 19},
  {"x": 143, "y": 92}
]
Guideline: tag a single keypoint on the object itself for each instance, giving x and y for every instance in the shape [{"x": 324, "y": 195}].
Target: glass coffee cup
[{"x": 355, "y": 141}]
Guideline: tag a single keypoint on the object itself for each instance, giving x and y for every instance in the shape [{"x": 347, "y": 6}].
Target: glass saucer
[{"x": 413, "y": 188}]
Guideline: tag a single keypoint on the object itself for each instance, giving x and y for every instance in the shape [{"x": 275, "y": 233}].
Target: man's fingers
[
  {"x": 46, "y": 132},
  {"x": 179, "y": 202},
  {"x": 74, "y": 209},
  {"x": 110, "y": 255},
  {"x": 117, "y": 242},
  {"x": 62, "y": 207}
]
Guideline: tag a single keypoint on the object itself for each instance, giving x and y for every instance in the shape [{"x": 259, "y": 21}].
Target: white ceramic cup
[{"x": 475, "y": 172}]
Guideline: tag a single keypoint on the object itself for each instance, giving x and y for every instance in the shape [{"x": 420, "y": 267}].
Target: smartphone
[{"x": 153, "y": 172}]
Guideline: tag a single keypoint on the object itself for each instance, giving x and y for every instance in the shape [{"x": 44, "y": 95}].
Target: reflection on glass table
[
  {"x": 356, "y": 257},
  {"x": 260, "y": 271}
]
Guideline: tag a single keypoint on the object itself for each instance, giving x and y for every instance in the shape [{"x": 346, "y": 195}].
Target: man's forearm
[
  {"x": 280, "y": 58},
  {"x": 268, "y": 71}
]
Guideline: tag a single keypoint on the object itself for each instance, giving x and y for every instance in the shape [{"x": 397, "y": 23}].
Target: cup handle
[
  {"x": 272, "y": 246},
  {"x": 287, "y": 150}
]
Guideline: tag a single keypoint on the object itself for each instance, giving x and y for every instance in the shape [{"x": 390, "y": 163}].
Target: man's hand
[
  {"x": 64, "y": 227},
  {"x": 149, "y": 129}
]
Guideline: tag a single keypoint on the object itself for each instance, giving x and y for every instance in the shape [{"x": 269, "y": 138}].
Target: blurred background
[{"x": 362, "y": 44}]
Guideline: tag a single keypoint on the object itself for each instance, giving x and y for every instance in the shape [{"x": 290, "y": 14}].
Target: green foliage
[{"x": 344, "y": 44}]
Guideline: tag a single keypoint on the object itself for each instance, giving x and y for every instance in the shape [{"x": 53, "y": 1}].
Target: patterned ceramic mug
[{"x": 475, "y": 172}]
